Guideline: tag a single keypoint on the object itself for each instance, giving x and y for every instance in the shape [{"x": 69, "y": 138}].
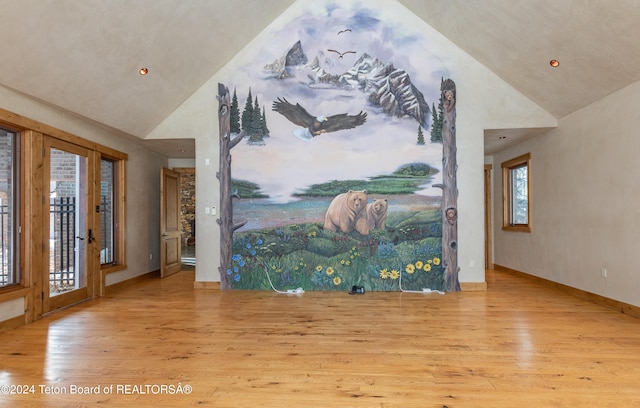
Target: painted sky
[{"x": 380, "y": 146}]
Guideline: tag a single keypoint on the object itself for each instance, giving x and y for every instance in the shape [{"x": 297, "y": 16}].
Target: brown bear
[
  {"x": 374, "y": 216},
  {"x": 344, "y": 210}
]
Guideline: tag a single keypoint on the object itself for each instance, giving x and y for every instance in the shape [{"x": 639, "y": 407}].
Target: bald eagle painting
[{"x": 313, "y": 126}]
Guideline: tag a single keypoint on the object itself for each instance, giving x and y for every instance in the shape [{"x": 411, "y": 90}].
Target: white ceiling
[{"x": 83, "y": 56}]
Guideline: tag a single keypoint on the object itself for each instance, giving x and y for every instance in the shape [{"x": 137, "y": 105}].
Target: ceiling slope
[{"x": 84, "y": 56}]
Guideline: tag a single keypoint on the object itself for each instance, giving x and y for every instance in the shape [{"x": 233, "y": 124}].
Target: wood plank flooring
[{"x": 163, "y": 344}]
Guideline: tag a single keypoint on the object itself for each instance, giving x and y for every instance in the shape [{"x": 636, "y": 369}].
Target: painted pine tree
[
  {"x": 420, "y": 136},
  {"x": 247, "y": 113},
  {"x": 234, "y": 117},
  {"x": 436, "y": 127},
  {"x": 263, "y": 124}
]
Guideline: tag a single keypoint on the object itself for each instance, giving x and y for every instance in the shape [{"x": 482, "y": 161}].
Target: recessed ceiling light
[
  {"x": 554, "y": 63},
  {"x": 143, "y": 71}
]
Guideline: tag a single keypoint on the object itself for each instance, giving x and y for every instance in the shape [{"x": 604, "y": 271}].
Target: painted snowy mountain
[
  {"x": 281, "y": 67},
  {"x": 385, "y": 86}
]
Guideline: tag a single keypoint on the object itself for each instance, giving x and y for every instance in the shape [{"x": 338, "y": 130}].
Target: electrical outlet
[
  {"x": 603, "y": 272},
  {"x": 150, "y": 257}
]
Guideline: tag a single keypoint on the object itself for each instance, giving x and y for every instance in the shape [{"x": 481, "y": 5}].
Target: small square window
[{"x": 516, "y": 194}]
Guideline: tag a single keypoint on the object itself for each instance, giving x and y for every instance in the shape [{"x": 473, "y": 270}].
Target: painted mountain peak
[
  {"x": 385, "y": 85},
  {"x": 295, "y": 56}
]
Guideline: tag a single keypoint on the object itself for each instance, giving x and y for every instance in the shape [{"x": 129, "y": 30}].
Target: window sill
[
  {"x": 517, "y": 228},
  {"x": 107, "y": 269},
  {"x": 13, "y": 292}
]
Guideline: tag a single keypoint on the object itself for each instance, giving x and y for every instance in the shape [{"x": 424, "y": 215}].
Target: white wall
[
  {"x": 182, "y": 163},
  {"x": 483, "y": 102},
  {"x": 143, "y": 213},
  {"x": 584, "y": 201},
  {"x": 12, "y": 308}
]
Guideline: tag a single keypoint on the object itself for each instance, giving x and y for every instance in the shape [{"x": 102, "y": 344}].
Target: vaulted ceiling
[{"x": 83, "y": 56}]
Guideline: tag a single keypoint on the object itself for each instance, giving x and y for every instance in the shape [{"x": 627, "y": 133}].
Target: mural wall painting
[{"x": 349, "y": 177}]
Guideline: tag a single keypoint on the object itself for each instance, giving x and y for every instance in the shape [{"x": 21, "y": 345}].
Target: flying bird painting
[
  {"x": 342, "y": 54},
  {"x": 313, "y": 126},
  {"x": 344, "y": 31}
]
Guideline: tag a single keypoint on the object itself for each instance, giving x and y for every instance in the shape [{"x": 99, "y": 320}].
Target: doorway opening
[
  {"x": 188, "y": 217},
  {"x": 488, "y": 234}
]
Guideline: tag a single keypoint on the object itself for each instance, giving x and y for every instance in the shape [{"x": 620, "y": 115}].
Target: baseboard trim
[
  {"x": 12, "y": 323},
  {"x": 464, "y": 286},
  {"x": 206, "y": 285},
  {"x": 108, "y": 290},
  {"x": 609, "y": 303},
  {"x": 473, "y": 286}
]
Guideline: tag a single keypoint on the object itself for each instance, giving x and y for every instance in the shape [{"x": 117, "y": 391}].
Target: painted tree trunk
[
  {"x": 450, "y": 189},
  {"x": 224, "y": 176}
]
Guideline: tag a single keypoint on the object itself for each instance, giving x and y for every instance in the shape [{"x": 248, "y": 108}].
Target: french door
[{"x": 68, "y": 171}]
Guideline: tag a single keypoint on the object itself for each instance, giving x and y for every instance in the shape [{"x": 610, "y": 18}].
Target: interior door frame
[
  {"x": 170, "y": 234},
  {"x": 50, "y": 304},
  {"x": 488, "y": 230},
  {"x": 184, "y": 171}
]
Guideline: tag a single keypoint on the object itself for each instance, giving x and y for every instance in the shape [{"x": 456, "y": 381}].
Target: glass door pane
[
  {"x": 69, "y": 172},
  {"x": 67, "y": 221}
]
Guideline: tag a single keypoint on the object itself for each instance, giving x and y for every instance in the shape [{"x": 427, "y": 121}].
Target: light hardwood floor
[{"x": 518, "y": 344}]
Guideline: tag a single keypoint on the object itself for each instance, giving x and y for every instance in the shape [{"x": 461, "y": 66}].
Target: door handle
[
  {"x": 165, "y": 235},
  {"x": 90, "y": 237}
]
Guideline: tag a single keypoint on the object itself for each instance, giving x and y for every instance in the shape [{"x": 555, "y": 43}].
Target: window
[
  {"x": 9, "y": 207},
  {"x": 515, "y": 194},
  {"x": 111, "y": 212},
  {"x": 108, "y": 226}
]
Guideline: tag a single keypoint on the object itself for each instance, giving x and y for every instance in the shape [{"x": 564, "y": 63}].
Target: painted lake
[{"x": 263, "y": 213}]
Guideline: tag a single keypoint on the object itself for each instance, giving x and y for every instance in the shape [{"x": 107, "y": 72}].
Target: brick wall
[{"x": 63, "y": 173}]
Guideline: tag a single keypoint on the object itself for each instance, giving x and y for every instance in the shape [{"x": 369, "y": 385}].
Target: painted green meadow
[{"x": 407, "y": 252}]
